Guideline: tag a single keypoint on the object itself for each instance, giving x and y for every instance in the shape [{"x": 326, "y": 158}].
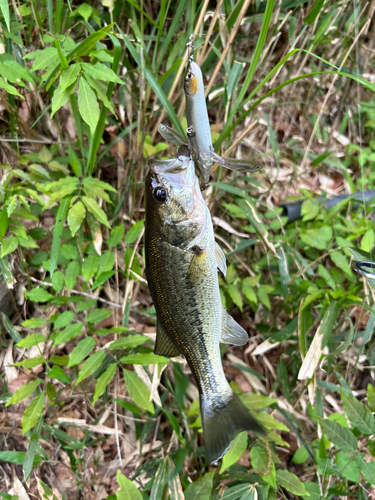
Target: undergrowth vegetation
[{"x": 87, "y": 409}]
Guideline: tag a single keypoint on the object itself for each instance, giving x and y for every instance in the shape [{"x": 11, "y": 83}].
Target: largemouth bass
[{"x": 182, "y": 262}]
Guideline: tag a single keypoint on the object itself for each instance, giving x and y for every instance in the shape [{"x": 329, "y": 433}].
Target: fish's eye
[{"x": 160, "y": 194}]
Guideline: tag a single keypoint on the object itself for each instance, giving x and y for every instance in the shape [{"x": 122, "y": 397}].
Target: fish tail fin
[{"x": 221, "y": 425}]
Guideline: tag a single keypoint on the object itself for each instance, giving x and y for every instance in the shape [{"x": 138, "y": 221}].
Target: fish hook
[{"x": 190, "y": 47}]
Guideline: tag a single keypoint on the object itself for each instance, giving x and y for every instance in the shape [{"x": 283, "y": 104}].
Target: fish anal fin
[
  {"x": 231, "y": 332},
  {"x": 199, "y": 265},
  {"x": 163, "y": 345},
  {"x": 220, "y": 259}
]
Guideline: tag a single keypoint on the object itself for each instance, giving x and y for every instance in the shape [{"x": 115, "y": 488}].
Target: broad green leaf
[
  {"x": 368, "y": 240},
  {"x": 32, "y": 413},
  {"x": 98, "y": 315},
  {"x": 57, "y": 281},
  {"x": 138, "y": 391},
  {"x": 91, "y": 365},
  {"x": 237, "y": 448},
  {"x": 348, "y": 466},
  {"x": 141, "y": 358},
  {"x": 84, "y": 10},
  {"x": 57, "y": 233},
  {"x": 342, "y": 263},
  {"x": 309, "y": 209},
  {"x": 200, "y": 489},
  {"x": 45, "y": 58},
  {"x": 17, "y": 457},
  {"x": 88, "y": 105},
  {"x": 4, "y": 6},
  {"x": 328, "y": 322},
  {"x": 128, "y": 490},
  {"x": 9, "y": 88},
  {"x": 30, "y": 363},
  {"x": 103, "y": 381},
  {"x": 93, "y": 207},
  {"x": 359, "y": 416},
  {"x": 134, "y": 232},
  {"x": 341, "y": 437},
  {"x": 63, "y": 319},
  {"x": 58, "y": 373},
  {"x": 290, "y": 482},
  {"x": 235, "y": 296},
  {"x": 34, "y": 323},
  {"x": 116, "y": 236},
  {"x": 300, "y": 456},
  {"x": 8, "y": 246},
  {"x": 270, "y": 422},
  {"x": 59, "y": 99},
  {"x": 90, "y": 266},
  {"x": 71, "y": 274},
  {"x": 75, "y": 217},
  {"x": 255, "y": 401},
  {"x": 25, "y": 391},
  {"x": 259, "y": 458},
  {"x": 101, "y": 72},
  {"x": 69, "y": 76},
  {"x": 318, "y": 237},
  {"x": 371, "y": 397},
  {"x": 81, "y": 351},
  {"x": 70, "y": 332},
  {"x": 367, "y": 469},
  {"x": 106, "y": 262},
  {"x": 129, "y": 341},
  {"x": 31, "y": 340}
]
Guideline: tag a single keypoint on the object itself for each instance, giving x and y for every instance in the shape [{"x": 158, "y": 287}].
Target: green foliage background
[{"x": 83, "y": 88}]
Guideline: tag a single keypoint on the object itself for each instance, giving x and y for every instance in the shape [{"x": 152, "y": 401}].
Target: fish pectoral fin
[
  {"x": 231, "y": 331},
  {"x": 199, "y": 265},
  {"x": 163, "y": 345},
  {"x": 221, "y": 260}
]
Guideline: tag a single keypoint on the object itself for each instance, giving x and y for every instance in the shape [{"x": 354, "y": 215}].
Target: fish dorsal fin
[
  {"x": 163, "y": 345},
  {"x": 221, "y": 261},
  {"x": 231, "y": 331}
]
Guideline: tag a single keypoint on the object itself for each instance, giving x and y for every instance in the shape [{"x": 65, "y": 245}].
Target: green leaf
[
  {"x": 134, "y": 232},
  {"x": 367, "y": 469},
  {"x": 90, "y": 266},
  {"x": 259, "y": 458},
  {"x": 59, "y": 99},
  {"x": 75, "y": 217},
  {"x": 71, "y": 274},
  {"x": 235, "y": 451},
  {"x": 9, "y": 88},
  {"x": 69, "y": 76},
  {"x": 368, "y": 240},
  {"x": 348, "y": 466},
  {"x": 129, "y": 341},
  {"x": 318, "y": 237},
  {"x": 17, "y": 457},
  {"x": 45, "y": 58},
  {"x": 314, "y": 12},
  {"x": 255, "y": 401},
  {"x": 57, "y": 233},
  {"x": 93, "y": 207},
  {"x": 34, "y": 323},
  {"x": 91, "y": 365},
  {"x": 309, "y": 209},
  {"x": 23, "y": 392},
  {"x": 128, "y": 490},
  {"x": 290, "y": 482},
  {"x": 341, "y": 437},
  {"x": 98, "y": 315},
  {"x": 81, "y": 351},
  {"x": 57, "y": 281},
  {"x": 103, "y": 381},
  {"x": 5, "y": 10},
  {"x": 31, "y": 340},
  {"x": 32, "y": 413},
  {"x": 116, "y": 236},
  {"x": 300, "y": 456},
  {"x": 359, "y": 416},
  {"x": 8, "y": 246},
  {"x": 106, "y": 262},
  {"x": 328, "y": 322},
  {"x": 371, "y": 397},
  {"x": 70, "y": 332},
  {"x": 30, "y": 363},
  {"x": 138, "y": 391},
  {"x": 58, "y": 373},
  {"x": 200, "y": 489},
  {"x": 235, "y": 296},
  {"x": 101, "y": 72},
  {"x": 140, "y": 358},
  {"x": 63, "y": 319},
  {"x": 342, "y": 263},
  {"x": 88, "y": 105}
]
